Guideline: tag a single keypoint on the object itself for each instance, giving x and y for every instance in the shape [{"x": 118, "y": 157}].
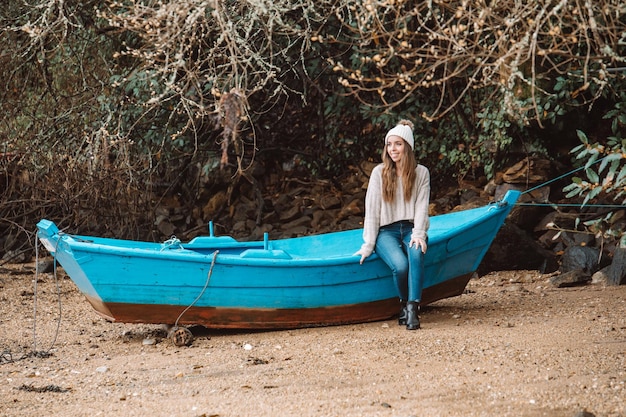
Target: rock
[
  {"x": 514, "y": 288},
  {"x": 469, "y": 201},
  {"x": 443, "y": 204},
  {"x": 490, "y": 188},
  {"x": 541, "y": 194},
  {"x": 600, "y": 277},
  {"x": 584, "y": 413},
  {"x": 16, "y": 256},
  {"x": 271, "y": 217},
  {"x": 583, "y": 239},
  {"x": 300, "y": 221},
  {"x": 616, "y": 272},
  {"x": 351, "y": 185},
  {"x": 329, "y": 201},
  {"x": 514, "y": 249},
  {"x": 166, "y": 228},
  {"x": 528, "y": 171},
  {"x": 258, "y": 232},
  {"x": 45, "y": 266},
  {"x": 570, "y": 279},
  {"x": 239, "y": 226},
  {"x": 469, "y": 195},
  {"x": 548, "y": 239},
  {"x": 289, "y": 215},
  {"x": 323, "y": 218},
  {"x": 215, "y": 204},
  {"x": 180, "y": 336},
  {"x": 295, "y": 232},
  {"x": 556, "y": 220},
  {"x": 584, "y": 258},
  {"x": 501, "y": 190},
  {"x": 354, "y": 208}
]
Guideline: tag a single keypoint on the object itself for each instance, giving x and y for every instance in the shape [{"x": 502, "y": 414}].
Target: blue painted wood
[{"x": 310, "y": 272}]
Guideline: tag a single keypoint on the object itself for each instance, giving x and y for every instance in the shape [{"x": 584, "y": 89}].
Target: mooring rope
[
  {"x": 6, "y": 356},
  {"x": 171, "y": 242},
  {"x": 206, "y": 284},
  {"x": 56, "y": 280},
  {"x": 567, "y": 174},
  {"x": 567, "y": 204},
  {"x": 571, "y": 205}
]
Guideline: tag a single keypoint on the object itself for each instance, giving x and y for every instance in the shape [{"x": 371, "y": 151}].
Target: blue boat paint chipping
[{"x": 309, "y": 273}]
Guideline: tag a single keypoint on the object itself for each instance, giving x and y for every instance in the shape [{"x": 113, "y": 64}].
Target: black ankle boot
[
  {"x": 402, "y": 316},
  {"x": 412, "y": 320}
]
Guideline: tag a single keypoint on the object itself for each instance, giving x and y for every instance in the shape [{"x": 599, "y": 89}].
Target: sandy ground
[{"x": 513, "y": 346}]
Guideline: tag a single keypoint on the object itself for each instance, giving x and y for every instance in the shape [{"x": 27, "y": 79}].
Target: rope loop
[{"x": 172, "y": 243}]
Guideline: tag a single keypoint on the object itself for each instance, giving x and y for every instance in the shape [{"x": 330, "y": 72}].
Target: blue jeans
[{"x": 407, "y": 264}]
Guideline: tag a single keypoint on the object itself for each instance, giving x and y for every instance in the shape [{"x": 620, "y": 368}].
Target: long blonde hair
[{"x": 390, "y": 174}]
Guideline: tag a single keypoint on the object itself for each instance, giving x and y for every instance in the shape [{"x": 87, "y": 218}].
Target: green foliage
[
  {"x": 484, "y": 80},
  {"x": 604, "y": 164}
]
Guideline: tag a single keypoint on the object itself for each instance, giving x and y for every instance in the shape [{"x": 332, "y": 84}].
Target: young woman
[{"x": 396, "y": 218}]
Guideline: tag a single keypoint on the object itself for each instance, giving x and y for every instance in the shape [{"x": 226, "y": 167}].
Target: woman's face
[{"x": 395, "y": 148}]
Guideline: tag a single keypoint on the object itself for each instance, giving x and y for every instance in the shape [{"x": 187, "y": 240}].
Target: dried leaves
[{"x": 501, "y": 44}]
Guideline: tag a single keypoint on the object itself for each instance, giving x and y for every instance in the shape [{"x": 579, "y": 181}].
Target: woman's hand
[
  {"x": 418, "y": 243},
  {"x": 362, "y": 254}
]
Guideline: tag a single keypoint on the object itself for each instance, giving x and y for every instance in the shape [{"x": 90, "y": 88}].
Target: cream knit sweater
[{"x": 381, "y": 213}]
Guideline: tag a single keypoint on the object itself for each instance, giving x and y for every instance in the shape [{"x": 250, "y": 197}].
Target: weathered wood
[{"x": 239, "y": 318}]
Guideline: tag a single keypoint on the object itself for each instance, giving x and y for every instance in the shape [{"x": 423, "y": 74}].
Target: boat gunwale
[{"x": 155, "y": 250}]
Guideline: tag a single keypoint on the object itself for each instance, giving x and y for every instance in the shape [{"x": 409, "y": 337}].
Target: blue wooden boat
[{"x": 219, "y": 282}]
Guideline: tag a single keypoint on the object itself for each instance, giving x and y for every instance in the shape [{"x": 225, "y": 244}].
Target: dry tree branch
[
  {"x": 202, "y": 50},
  {"x": 409, "y": 47}
]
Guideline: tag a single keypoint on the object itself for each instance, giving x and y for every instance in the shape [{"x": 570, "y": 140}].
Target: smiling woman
[{"x": 396, "y": 218}]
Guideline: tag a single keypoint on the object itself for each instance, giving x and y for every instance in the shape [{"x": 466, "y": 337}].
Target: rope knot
[{"x": 172, "y": 243}]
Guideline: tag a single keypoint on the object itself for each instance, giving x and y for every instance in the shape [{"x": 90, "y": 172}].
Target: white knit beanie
[{"x": 404, "y": 129}]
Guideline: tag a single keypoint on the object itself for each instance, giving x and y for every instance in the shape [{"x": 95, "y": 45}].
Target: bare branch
[{"x": 405, "y": 47}]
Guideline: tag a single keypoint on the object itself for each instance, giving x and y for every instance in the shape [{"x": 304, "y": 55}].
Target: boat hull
[
  {"x": 237, "y": 318},
  {"x": 310, "y": 281}
]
